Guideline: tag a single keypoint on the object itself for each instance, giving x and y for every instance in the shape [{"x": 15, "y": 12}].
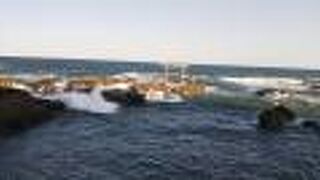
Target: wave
[
  {"x": 91, "y": 102},
  {"x": 225, "y": 90},
  {"x": 31, "y": 77},
  {"x": 256, "y": 83},
  {"x": 241, "y": 92},
  {"x": 312, "y": 99}
]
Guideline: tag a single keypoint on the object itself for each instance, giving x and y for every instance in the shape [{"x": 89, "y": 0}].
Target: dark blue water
[
  {"x": 71, "y": 67},
  {"x": 185, "y": 141}
]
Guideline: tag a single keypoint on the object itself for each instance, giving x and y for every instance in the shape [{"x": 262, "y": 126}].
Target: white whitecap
[
  {"x": 90, "y": 102},
  {"x": 162, "y": 97},
  {"x": 120, "y": 86},
  {"x": 256, "y": 83}
]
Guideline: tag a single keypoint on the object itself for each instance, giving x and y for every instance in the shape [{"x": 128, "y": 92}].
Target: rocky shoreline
[{"x": 19, "y": 110}]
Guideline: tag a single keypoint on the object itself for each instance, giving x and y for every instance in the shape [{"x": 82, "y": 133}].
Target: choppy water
[{"x": 185, "y": 141}]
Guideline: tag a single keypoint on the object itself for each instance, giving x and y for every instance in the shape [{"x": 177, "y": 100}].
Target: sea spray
[{"x": 91, "y": 102}]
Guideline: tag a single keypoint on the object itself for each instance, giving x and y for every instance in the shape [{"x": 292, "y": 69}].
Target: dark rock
[
  {"x": 52, "y": 105},
  {"x": 124, "y": 97},
  {"x": 275, "y": 117},
  {"x": 19, "y": 110},
  {"x": 311, "y": 124},
  {"x": 269, "y": 91},
  {"x": 264, "y": 92}
]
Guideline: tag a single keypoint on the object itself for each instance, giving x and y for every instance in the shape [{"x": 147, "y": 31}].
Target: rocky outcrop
[
  {"x": 124, "y": 97},
  {"x": 311, "y": 124},
  {"x": 275, "y": 117},
  {"x": 19, "y": 110},
  {"x": 265, "y": 91}
]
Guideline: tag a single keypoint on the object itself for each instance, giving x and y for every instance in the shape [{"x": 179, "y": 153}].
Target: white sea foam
[
  {"x": 308, "y": 98},
  {"x": 162, "y": 97},
  {"x": 133, "y": 75},
  {"x": 210, "y": 89},
  {"x": 33, "y": 77},
  {"x": 120, "y": 86},
  {"x": 290, "y": 90},
  {"x": 90, "y": 102},
  {"x": 266, "y": 82}
]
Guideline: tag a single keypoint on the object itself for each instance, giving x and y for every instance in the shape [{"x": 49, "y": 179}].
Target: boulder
[
  {"x": 265, "y": 91},
  {"x": 276, "y": 117},
  {"x": 19, "y": 110},
  {"x": 125, "y": 97},
  {"x": 311, "y": 124}
]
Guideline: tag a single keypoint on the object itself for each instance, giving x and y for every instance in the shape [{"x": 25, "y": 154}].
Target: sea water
[{"x": 210, "y": 138}]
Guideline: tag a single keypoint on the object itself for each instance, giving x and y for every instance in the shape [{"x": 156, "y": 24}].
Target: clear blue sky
[{"x": 248, "y": 32}]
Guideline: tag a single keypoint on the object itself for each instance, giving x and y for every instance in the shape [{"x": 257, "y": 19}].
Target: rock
[
  {"x": 311, "y": 124},
  {"x": 125, "y": 97},
  {"x": 265, "y": 91},
  {"x": 19, "y": 110},
  {"x": 275, "y": 117}
]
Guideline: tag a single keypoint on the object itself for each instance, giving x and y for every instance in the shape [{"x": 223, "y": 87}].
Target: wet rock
[
  {"x": 275, "y": 117},
  {"x": 311, "y": 124},
  {"x": 266, "y": 91},
  {"x": 19, "y": 110},
  {"x": 125, "y": 97}
]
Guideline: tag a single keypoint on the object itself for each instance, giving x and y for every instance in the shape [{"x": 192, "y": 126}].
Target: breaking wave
[
  {"x": 302, "y": 95},
  {"x": 236, "y": 91},
  {"x": 256, "y": 83},
  {"x": 91, "y": 102}
]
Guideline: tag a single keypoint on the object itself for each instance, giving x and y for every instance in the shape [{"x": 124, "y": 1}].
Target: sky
[{"x": 241, "y": 32}]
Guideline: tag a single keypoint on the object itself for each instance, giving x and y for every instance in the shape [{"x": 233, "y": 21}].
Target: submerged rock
[
  {"x": 19, "y": 110},
  {"x": 275, "y": 117},
  {"x": 125, "y": 97}
]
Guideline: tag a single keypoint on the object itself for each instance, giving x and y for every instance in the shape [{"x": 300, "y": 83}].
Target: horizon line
[{"x": 156, "y": 61}]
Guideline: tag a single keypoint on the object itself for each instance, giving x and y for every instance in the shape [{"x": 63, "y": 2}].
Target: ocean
[{"x": 214, "y": 137}]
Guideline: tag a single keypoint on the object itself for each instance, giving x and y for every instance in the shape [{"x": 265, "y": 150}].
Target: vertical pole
[
  {"x": 182, "y": 73},
  {"x": 166, "y": 73}
]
